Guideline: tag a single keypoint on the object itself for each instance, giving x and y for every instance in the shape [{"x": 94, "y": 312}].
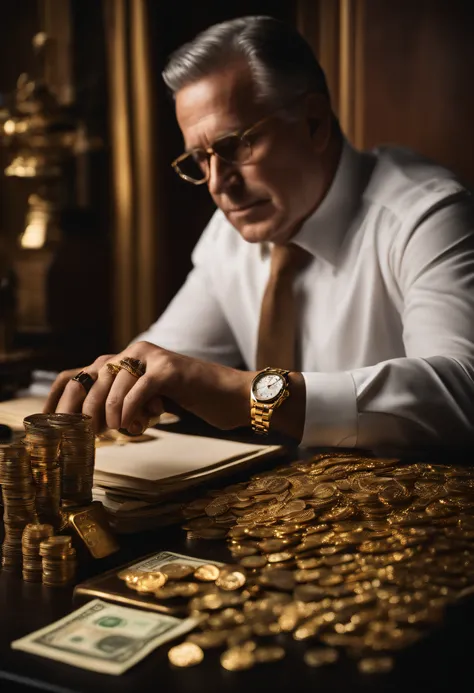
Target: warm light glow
[
  {"x": 34, "y": 235},
  {"x": 9, "y": 127}
]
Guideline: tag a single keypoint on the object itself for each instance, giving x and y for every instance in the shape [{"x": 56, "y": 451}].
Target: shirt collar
[{"x": 323, "y": 232}]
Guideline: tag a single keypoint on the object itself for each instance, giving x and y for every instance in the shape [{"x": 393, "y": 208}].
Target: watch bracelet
[{"x": 260, "y": 416}]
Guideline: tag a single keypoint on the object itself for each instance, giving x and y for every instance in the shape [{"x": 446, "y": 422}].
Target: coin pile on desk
[
  {"x": 18, "y": 493},
  {"x": 342, "y": 553},
  {"x": 45, "y": 477},
  {"x": 76, "y": 456},
  {"x": 59, "y": 561},
  {"x": 43, "y": 445},
  {"x": 33, "y": 535}
]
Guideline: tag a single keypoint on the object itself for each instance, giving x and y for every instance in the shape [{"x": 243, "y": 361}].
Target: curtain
[{"x": 135, "y": 185}]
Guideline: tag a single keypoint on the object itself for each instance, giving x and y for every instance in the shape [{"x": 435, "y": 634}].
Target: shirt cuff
[{"x": 331, "y": 410}]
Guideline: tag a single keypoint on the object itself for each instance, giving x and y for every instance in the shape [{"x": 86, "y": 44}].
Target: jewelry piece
[
  {"x": 128, "y": 365},
  {"x": 136, "y": 364},
  {"x": 113, "y": 368},
  {"x": 85, "y": 380},
  {"x": 268, "y": 391}
]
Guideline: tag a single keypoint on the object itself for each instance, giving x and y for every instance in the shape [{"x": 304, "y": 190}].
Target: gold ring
[
  {"x": 130, "y": 369},
  {"x": 137, "y": 365},
  {"x": 113, "y": 368}
]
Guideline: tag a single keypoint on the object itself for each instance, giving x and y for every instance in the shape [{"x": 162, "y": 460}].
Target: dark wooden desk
[{"x": 441, "y": 662}]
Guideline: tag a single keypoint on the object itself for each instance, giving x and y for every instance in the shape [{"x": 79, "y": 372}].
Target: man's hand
[
  {"x": 217, "y": 394},
  {"x": 63, "y": 378}
]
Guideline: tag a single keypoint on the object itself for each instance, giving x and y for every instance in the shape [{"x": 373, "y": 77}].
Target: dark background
[{"x": 400, "y": 72}]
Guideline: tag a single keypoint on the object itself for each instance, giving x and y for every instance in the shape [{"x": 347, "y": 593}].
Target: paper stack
[{"x": 143, "y": 485}]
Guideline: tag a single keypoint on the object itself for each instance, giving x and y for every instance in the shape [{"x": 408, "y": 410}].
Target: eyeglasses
[{"x": 234, "y": 148}]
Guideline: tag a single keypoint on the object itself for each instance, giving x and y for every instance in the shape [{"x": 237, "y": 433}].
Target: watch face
[{"x": 268, "y": 387}]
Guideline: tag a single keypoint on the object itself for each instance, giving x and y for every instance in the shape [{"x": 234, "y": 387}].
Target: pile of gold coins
[
  {"x": 43, "y": 445},
  {"x": 33, "y": 535},
  {"x": 341, "y": 553},
  {"x": 76, "y": 456},
  {"x": 59, "y": 561},
  {"x": 18, "y": 493},
  {"x": 43, "y": 478}
]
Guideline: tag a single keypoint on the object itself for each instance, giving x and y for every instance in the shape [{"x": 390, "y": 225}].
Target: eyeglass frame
[{"x": 210, "y": 151}]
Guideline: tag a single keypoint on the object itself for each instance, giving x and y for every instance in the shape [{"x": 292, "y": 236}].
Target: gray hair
[{"x": 281, "y": 62}]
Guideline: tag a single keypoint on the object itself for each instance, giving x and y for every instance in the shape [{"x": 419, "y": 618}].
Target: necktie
[{"x": 279, "y": 312}]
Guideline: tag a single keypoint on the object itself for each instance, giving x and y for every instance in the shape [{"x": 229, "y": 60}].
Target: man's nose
[{"x": 221, "y": 175}]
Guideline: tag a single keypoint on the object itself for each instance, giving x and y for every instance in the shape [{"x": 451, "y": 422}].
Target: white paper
[
  {"x": 13, "y": 411},
  {"x": 170, "y": 455}
]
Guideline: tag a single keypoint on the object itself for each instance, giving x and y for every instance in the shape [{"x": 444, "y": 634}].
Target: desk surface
[
  {"x": 436, "y": 663},
  {"x": 440, "y": 662}
]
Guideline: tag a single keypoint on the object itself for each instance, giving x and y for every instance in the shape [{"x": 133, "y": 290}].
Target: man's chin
[{"x": 256, "y": 232}]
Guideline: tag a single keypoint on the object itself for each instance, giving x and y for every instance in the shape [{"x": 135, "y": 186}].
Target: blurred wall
[
  {"x": 399, "y": 71},
  {"x": 68, "y": 282}
]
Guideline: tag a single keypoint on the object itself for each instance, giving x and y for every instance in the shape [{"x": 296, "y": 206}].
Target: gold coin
[
  {"x": 237, "y": 658},
  {"x": 131, "y": 577},
  {"x": 207, "y": 573},
  {"x": 187, "y": 654},
  {"x": 150, "y": 582},
  {"x": 253, "y": 561},
  {"x": 177, "y": 589},
  {"x": 240, "y": 550},
  {"x": 279, "y": 557},
  {"x": 231, "y": 579},
  {"x": 177, "y": 571},
  {"x": 273, "y": 545}
]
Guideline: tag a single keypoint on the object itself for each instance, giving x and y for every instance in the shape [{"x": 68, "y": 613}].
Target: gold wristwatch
[{"x": 268, "y": 391}]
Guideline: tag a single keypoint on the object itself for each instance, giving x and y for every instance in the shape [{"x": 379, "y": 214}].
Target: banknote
[
  {"x": 104, "y": 637},
  {"x": 153, "y": 563}
]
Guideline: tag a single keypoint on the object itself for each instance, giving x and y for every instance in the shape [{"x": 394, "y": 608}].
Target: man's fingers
[
  {"x": 155, "y": 406},
  {"x": 140, "y": 404},
  {"x": 121, "y": 386},
  {"x": 57, "y": 389},
  {"x": 94, "y": 403}
]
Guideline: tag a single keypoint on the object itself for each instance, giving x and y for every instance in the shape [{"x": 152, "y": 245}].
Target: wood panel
[
  {"x": 418, "y": 66},
  {"x": 400, "y": 72}
]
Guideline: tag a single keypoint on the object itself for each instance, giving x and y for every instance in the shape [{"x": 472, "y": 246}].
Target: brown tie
[{"x": 279, "y": 315}]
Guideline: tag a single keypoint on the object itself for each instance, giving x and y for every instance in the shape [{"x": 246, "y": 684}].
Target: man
[{"x": 377, "y": 330}]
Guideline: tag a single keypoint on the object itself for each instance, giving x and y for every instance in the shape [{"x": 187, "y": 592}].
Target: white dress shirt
[{"x": 387, "y": 305}]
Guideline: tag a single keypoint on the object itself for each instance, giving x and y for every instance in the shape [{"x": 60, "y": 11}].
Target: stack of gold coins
[
  {"x": 59, "y": 561},
  {"x": 18, "y": 493},
  {"x": 43, "y": 444},
  {"x": 32, "y": 537},
  {"x": 77, "y": 457}
]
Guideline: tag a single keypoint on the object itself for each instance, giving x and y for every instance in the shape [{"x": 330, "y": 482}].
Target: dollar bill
[
  {"x": 153, "y": 563},
  {"x": 104, "y": 637}
]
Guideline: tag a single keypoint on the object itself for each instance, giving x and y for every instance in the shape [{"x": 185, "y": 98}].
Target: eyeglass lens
[{"x": 232, "y": 149}]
